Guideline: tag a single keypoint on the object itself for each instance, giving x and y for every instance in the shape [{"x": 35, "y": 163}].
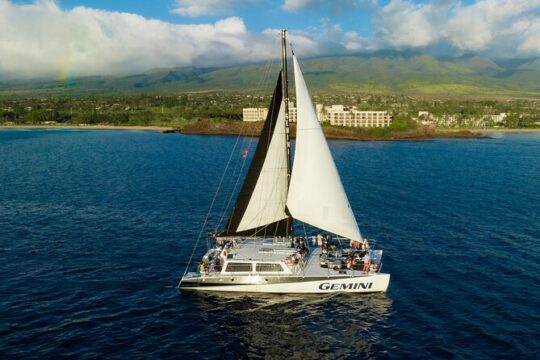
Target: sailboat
[{"x": 258, "y": 250}]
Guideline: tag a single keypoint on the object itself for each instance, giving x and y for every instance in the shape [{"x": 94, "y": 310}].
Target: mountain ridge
[{"x": 408, "y": 73}]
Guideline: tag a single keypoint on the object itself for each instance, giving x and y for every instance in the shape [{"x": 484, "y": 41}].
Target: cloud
[
  {"x": 337, "y": 39},
  {"x": 195, "y": 8},
  {"x": 334, "y": 5},
  {"x": 406, "y": 24},
  {"x": 496, "y": 27},
  {"x": 295, "y": 5},
  {"x": 41, "y": 39}
]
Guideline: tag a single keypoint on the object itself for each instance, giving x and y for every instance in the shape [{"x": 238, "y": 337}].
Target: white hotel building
[
  {"x": 335, "y": 114},
  {"x": 340, "y": 116},
  {"x": 255, "y": 114}
]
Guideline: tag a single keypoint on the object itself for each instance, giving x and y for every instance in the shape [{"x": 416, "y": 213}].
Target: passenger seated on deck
[
  {"x": 298, "y": 261},
  {"x": 303, "y": 248},
  {"x": 204, "y": 268},
  {"x": 332, "y": 247},
  {"x": 289, "y": 260},
  {"x": 219, "y": 242}
]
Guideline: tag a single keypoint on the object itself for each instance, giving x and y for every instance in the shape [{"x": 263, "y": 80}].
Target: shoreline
[
  {"x": 163, "y": 129},
  {"x": 405, "y": 136},
  {"x": 508, "y": 130},
  {"x": 253, "y": 129},
  {"x": 206, "y": 127}
]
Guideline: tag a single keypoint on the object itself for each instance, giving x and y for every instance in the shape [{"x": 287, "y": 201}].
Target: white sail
[
  {"x": 267, "y": 202},
  {"x": 316, "y": 195}
]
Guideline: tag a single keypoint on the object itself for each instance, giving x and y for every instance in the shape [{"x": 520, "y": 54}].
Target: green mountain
[{"x": 375, "y": 73}]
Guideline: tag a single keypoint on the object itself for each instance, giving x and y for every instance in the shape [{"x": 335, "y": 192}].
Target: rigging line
[
  {"x": 264, "y": 163},
  {"x": 251, "y": 137},
  {"x": 233, "y": 192},
  {"x": 217, "y": 191},
  {"x": 258, "y": 89},
  {"x": 229, "y": 190},
  {"x": 209, "y": 211}
]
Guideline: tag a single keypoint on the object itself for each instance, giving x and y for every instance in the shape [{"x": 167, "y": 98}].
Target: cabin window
[
  {"x": 238, "y": 267},
  {"x": 268, "y": 268}
]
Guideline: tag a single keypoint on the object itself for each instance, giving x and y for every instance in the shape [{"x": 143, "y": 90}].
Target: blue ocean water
[{"x": 96, "y": 228}]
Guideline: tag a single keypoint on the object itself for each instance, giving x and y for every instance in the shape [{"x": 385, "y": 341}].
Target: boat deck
[
  {"x": 270, "y": 250},
  {"x": 253, "y": 250},
  {"x": 314, "y": 268}
]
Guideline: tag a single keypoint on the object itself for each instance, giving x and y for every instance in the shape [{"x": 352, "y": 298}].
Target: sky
[{"x": 68, "y": 38}]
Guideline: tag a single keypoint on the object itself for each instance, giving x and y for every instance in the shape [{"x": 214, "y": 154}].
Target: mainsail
[
  {"x": 260, "y": 207},
  {"x": 316, "y": 195}
]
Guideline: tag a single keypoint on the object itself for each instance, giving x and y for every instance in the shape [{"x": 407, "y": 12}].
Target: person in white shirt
[{"x": 367, "y": 261}]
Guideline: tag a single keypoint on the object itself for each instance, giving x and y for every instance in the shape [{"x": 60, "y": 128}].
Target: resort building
[
  {"x": 292, "y": 112},
  {"x": 336, "y": 115},
  {"x": 255, "y": 114},
  {"x": 341, "y": 116},
  {"x": 259, "y": 114}
]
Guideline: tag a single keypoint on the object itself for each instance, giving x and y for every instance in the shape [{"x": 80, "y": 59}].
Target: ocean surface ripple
[{"x": 96, "y": 227}]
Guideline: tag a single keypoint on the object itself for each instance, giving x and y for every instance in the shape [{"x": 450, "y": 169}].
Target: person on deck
[
  {"x": 205, "y": 265},
  {"x": 365, "y": 245},
  {"x": 319, "y": 240},
  {"x": 367, "y": 261}
]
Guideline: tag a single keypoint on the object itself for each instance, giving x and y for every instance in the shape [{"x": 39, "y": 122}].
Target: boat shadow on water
[{"x": 335, "y": 325}]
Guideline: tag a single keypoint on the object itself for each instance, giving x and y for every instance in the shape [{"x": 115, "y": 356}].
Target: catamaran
[{"x": 258, "y": 251}]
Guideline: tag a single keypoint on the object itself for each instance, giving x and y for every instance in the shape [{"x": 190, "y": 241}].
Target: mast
[{"x": 285, "y": 85}]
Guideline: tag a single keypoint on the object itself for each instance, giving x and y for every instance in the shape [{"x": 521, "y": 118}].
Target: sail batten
[
  {"x": 260, "y": 207},
  {"x": 316, "y": 195}
]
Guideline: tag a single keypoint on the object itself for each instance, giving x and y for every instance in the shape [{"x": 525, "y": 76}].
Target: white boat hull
[{"x": 377, "y": 282}]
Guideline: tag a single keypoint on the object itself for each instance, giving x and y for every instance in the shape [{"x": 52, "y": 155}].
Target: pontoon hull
[{"x": 376, "y": 282}]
